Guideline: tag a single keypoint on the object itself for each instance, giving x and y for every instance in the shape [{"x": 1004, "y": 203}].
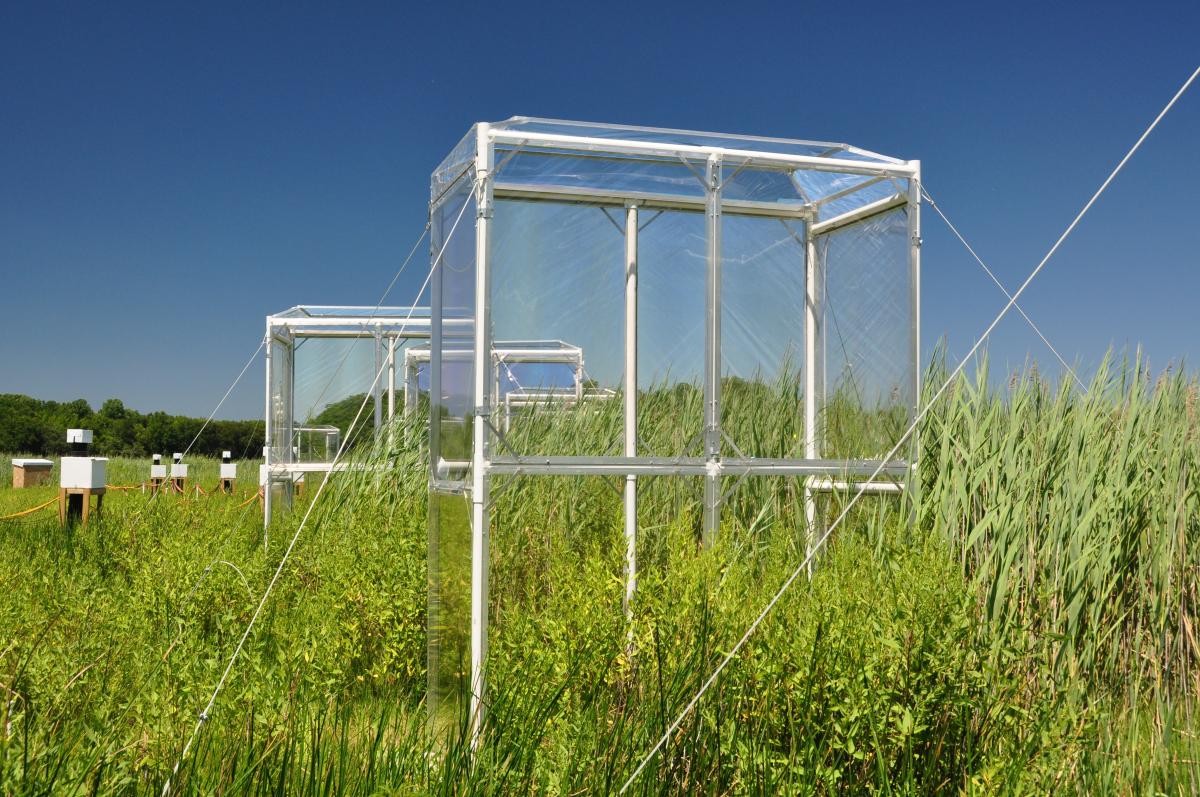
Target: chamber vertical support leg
[
  {"x": 377, "y": 387},
  {"x": 268, "y": 439},
  {"x": 391, "y": 391},
  {"x": 391, "y": 376},
  {"x": 631, "y": 397},
  {"x": 914, "y": 287},
  {"x": 496, "y": 391},
  {"x": 480, "y": 543},
  {"x": 410, "y": 388},
  {"x": 712, "y": 353},
  {"x": 812, "y": 384}
]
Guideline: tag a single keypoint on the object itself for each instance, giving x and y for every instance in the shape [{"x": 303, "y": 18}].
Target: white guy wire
[
  {"x": 941, "y": 390},
  {"x": 303, "y": 522},
  {"x": 1000, "y": 285}
]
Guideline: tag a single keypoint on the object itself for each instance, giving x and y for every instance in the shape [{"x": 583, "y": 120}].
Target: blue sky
[{"x": 170, "y": 174}]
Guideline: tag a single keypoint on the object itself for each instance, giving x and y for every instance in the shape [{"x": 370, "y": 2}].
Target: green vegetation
[
  {"x": 1035, "y": 630},
  {"x": 33, "y": 426},
  {"x": 342, "y": 413}
]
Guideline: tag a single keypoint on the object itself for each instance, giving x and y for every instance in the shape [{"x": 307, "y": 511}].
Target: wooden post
[{"x": 83, "y": 506}]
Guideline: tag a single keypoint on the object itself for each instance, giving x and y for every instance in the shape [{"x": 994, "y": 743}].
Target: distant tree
[
  {"x": 154, "y": 434},
  {"x": 113, "y": 408},
  {"x": 20, "y": 423},
  {"x": 76, "y": 412},
  {"x": 341, "y": 414},
  {"x": 28, "y": 425}
]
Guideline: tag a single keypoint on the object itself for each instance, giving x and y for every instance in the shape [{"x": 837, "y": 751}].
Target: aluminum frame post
[
  {"x": 275, "y": 437},
  {"x": 480, "y": 544},
  {"x": 914, "y": 287},
  {"x": 436, "y": 346},
  {"x": 712, "y": 352},
  {"x": 289, "y": 449},
  {"x": 391, "y": 359},
  {"x": 812, "y": 384},
  {"x": 496, "y": 366},
  {"x": 266, "y": 486},
  {"x": 410, "y": 388},
  {"x": 391, "y": 391},
  {"x": 377, "y": 385},
  {"x": 631, "y": 404}
]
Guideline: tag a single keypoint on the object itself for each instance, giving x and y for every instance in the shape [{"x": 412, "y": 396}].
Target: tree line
[{"x": 34, "y": 426}]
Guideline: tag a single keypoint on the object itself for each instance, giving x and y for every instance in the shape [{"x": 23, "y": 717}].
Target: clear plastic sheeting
[
  {"x": 448, "y": 647},
  {"x": 575, "y": 160},
  {"x": 452, "y": 364},
  {"x": 670, "y": 315},
  {"x": 764, "y": 144},
  {"x": 453, "y": 166},
  {"x": 452, "y": 417},
  {"x": 328, "y": 371},
  {"x": 866, "y": 347},
  {"x": 842, "y": 193},
  {"x": 564, "y": 284},
  {"x": 762, "y": 335},
  {"x": 317, "y": 442},
  {"x": 744, "y": 311},
  {"x": 280, "y": 417},
  {"x": 322, "y": 366},
  {"x": 633, "y": 175},
  {"x": 638, "y": 176}
]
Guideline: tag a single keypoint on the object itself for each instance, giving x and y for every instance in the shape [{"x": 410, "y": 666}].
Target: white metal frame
[
  {"x": 332, "y": 434},
  {"x": 384, "y": 325},
  {"x": 564, "y": 397},
  {"x": 506, "y": 352},
  {"x": 819, "y": 474}
]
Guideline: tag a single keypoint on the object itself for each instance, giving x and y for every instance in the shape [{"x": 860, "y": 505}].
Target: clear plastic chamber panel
[
  {"x": 672, "y": 261},
  {"x": 452, "y": 369},
  {"x": 333, "y": 368},
  {"x": 866, "y": 342},
  {"x": 768, "y": 286},
  {"x": 763, "y": 262},
  {"x": 280, "y": 397},
  {"x": 558, "y": 287},
  {"x": 452, "y": 402},
  {"x": 333, "y": 377}
]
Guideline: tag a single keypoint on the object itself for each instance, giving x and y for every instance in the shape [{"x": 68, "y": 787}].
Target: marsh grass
[{"x": 1033, "y": 631}]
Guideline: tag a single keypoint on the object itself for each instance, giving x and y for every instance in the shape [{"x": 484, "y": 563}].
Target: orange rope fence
[
  {"x": 251, "y": 498},
  {"x": 31, "y": 510},
  {"x": 120, "y": 487}
]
